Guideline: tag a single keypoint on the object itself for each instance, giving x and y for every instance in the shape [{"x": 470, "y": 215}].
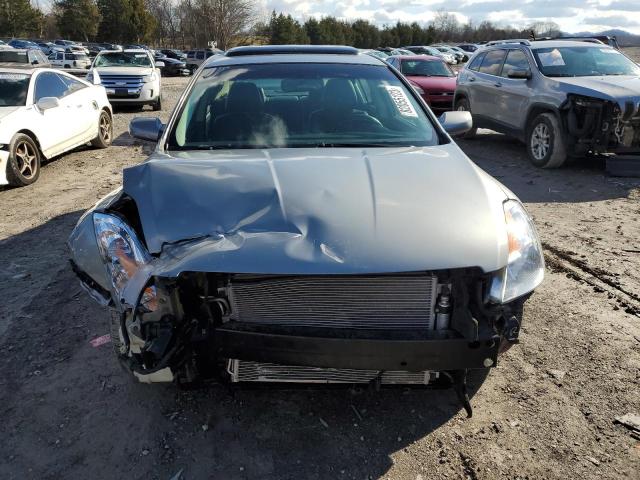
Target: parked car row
[{"x": 46, "y": 112}]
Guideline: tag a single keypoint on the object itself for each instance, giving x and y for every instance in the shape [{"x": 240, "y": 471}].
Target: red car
[{"x": 435, "y": 80}]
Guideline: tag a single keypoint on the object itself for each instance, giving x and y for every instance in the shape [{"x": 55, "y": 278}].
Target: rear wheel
[
  {"x": 462, "y": 105},
  {"x": 545, "y": 143},
  {"x": 23, "y": 167},
  {"x": 105, "y": 131}
]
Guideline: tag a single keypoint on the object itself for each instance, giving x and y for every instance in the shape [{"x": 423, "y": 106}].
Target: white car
[
  {"x": 131, "y": 77},
  {"x": 44, "y": 113},
  {"x": 69, "y": 60}
]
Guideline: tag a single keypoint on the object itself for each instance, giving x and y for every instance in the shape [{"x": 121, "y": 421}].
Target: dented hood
[
  {"x": 617, "y": 88},
  {"x": 319, "y": 210}
]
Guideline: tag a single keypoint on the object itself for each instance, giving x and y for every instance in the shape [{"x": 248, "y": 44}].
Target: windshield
[
  {"x": 13, "y": 56},
  {"x": 122, "y": 59},
  {"x": 583, "y": 62},
  {"x": 426, "y": 68},
  {"x": 13, "y": 89},
  {"x": 311, "y": 105}
]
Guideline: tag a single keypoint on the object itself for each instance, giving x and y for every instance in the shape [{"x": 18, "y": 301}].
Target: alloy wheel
[
  {"x": 105, "y": 128},
  {"x": 540, "y": 141},
  {"x": 27, "y": 160}
]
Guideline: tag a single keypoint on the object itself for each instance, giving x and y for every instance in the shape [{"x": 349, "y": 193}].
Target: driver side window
[{"x": 48, "y": 84}]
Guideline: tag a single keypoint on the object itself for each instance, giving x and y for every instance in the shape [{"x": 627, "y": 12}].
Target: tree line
[
  {"x": 283, "y": 29},
  {"x": 199, "y": 23}
]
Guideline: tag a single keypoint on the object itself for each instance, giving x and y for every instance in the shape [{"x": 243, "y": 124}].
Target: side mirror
[
  {"x": 456, "y": 123},
  {"x": 521, "y": 73},
  {"x": 146, "y": 128},
  {"x": 46, "y": 103},
  {"x": 160, "y": 64},
  {"x": 35, "y": 62}
]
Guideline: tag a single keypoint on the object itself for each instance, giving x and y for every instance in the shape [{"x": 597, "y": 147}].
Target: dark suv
[{"x": 562, "y": 98}]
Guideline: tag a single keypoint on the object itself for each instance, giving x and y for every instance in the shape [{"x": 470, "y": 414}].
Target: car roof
[
  {"x": 292, "y": 54},
  {"x": 427, "y": 58},
  {"x": 565, "y": 43}
]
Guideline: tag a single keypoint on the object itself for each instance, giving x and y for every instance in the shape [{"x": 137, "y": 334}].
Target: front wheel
[
  {"x": 462, "y": 105},
  {"x": 545, "y": 143},
  {"x": 23, "y": 167},
  {"x": 105, "y": 131}
]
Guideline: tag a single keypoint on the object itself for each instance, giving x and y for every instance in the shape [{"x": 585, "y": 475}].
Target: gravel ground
[{"x": 547, "y": 411}]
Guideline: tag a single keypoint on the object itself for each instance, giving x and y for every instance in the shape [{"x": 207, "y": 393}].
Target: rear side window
[
  {"x": 72, "y": 84},
  {"x": 200, "y": 55},
  {"x": 492, "y": 62},
  {"x": 516, "y": 60},
  {"x": 475, "y": 63}
]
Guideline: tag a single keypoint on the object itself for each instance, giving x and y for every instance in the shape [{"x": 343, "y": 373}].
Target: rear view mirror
[
  {"x": 46, "y": 103},
  {"x": 522, "y": 73},
  {"x": 146, "y": 128},
  {"x": 456, "y": 123}
]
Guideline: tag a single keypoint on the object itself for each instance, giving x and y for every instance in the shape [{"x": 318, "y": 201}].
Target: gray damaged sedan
[{"x": 305, "y": 218}]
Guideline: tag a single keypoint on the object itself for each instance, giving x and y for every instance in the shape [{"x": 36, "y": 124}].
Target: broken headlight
[
  {"x": 121, "y": 250},
  {"x": 525, "y": 267}
]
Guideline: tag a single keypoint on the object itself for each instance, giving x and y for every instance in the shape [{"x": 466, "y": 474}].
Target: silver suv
[{"x": 562, "y": 98}]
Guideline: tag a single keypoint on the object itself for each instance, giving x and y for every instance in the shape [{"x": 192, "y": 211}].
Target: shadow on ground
[{"x": 583, "y": 180}]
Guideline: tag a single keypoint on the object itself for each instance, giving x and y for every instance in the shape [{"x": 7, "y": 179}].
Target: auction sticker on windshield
[
  {"x": 401, "y": 101},
  {"x": 551, "y": 59}
]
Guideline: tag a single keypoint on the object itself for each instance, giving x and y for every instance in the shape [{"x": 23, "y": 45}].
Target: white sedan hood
[{"x": 6, "y": 111}]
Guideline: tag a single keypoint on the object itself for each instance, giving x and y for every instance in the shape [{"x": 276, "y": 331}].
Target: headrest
[
  {"x": 339, "y": 93},
  {"x": 244, "y": 97}
]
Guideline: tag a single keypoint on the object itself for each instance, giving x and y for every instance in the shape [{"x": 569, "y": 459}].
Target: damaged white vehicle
[
  {"x": 44, "y": 113},
  {"x": 307, "y": 224}
]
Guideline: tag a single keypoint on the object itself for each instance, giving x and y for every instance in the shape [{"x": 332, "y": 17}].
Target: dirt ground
[{"x": 68, "y": 411}]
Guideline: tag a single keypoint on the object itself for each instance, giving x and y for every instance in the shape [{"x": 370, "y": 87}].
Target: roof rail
[
  {"x": 521, "y": 41},
  {"x": 291, "y": 50}
]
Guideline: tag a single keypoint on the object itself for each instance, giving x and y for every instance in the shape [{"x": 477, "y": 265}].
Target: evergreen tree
[
  {"x": 285, "y": 30},
  {"x": 77, "y": 19},
  {"x": 19, "y": 19},
  {"x": 124, "y": 21}
]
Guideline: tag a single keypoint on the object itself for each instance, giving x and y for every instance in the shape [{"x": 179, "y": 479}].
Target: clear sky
[{"x": 571, "y": 15}]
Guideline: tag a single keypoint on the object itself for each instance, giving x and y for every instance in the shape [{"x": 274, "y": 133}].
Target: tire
[
  {"x": 545, "y": 142},
  {"x": 67, "y": 66},
  {"x": 23, "y": 167},
  {"x": 462, "y": 105},
  {"x": 105, "y": 131},
  {"x": 158, "y": 105}
]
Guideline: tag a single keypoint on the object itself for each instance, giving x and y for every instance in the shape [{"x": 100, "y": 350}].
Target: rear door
[{"x": 488, "y": 84}]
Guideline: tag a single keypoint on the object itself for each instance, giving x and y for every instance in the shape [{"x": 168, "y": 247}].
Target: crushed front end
[
  {"x": 392, "y": 328},
  {"x": 596, "y": 126}
]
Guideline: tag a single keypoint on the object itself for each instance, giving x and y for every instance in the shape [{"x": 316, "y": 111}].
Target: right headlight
[
  {"x": 525, "y": 267},
  {"x": 120, "y": 249}
]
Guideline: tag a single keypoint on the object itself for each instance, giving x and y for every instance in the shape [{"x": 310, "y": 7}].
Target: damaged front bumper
[{"x": 599, "y": 126}]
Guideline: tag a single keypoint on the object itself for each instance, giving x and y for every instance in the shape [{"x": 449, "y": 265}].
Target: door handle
[{"x": 498, "y": 84}]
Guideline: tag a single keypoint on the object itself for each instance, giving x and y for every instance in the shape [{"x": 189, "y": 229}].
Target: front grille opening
[{"x": 336, "y": 301}]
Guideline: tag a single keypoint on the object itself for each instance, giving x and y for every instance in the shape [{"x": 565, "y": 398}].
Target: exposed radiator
[
  {"x": 246, "y": 371},
  {"x": 338, "y": 301}
]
